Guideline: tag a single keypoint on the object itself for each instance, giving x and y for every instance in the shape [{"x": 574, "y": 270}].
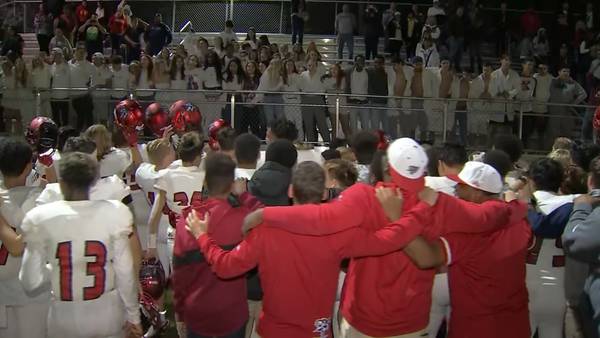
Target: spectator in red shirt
[
  {"x": 67, "y": 22},
  {"x": 300, "y": 273},
  {"x": 485, "y": 301},
  {"x": 82, "y": 12},
  {"x": 117, "y": 26},
  {"x": 209, "y": 305},
  {"x": 530, "y": 22}
]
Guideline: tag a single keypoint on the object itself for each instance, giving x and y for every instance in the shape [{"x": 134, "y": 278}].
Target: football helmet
[
  {"x": 157, "y": 119},
  {"x": 42, "y": 134},
  {"x": 213, "y": 131},
  {"x": 129, "y": 116},
  {"x": 153, "y": 283},
  {"x": 185, "y": 116}
]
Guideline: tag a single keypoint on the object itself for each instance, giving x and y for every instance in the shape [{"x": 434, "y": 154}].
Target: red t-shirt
[
  {"x": 117, "y": 24},
  {"x": 210, "y": 306},
  {"x": 486, "y": 276},
  {"x": 389, "y": 295},
  {"x": 299, "y": 274},
  {"x": 82, "y": 14}
]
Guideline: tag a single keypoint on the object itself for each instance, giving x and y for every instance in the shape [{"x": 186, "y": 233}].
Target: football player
[
  {"x": 82, "y": 248},
  {"x": 24, "y": 315}
]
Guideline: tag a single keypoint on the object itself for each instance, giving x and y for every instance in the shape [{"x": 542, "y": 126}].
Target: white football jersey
[
  {"x": 15, "y": 203},
  {"x": 182, "y": 185},
  {"x": 116, "y": 162},
  {"x": 108, "y": 188},
  {"x": 82, "y": 248},
  {"x": 146, "y": 177}
]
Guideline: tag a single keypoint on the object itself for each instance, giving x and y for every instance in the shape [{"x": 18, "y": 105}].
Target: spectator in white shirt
[
  {"x": 40, "y": 81},
  {"x": 541, "y": 95},
  {"x": 358, "y": 83},
  {"x": 228, "y": 34},
  {"x": 233, "y": 81},
  {"x": 290, "y": 79},
  {"x": 311, "y": 83},
  {"x": 271, "y": 81},
  {"x": 427, "y": 50},
  {"x": 506, "y": 83},
  {"x": 62, "y": 42},
  {"x": 81, "y": 75},
  {"x": 436, "y": 10},
  {"x": 60, "y": 72},
  {"x": 119, "y": 78},
  {"x": 101, "y": 79}
]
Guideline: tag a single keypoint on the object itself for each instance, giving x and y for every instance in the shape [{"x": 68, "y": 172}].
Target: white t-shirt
[
  {"x": 82, "y": 249},
  {"x": 120, "y": 79},
  {"x": 244, "y": 173},
  {"x": 81, "y": 74},
  {"x": 61, "y": 78},
  {"x": 441, "y": 184},
  {"x": 108, "y": 188},
  {"x": 182, "y": 185},
  {"x": 15, "y": 203},
  {"x": 116, "y": 162}
]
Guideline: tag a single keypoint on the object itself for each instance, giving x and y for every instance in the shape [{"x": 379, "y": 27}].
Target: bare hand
[
  {"x": 195, "y": 225},
  {"x": 391, "y": 201},
  {"x": 134, "y": 330},
  {"x": 428, "y": 196},
  {"x": 151, "y": 253},
  {"x": 587, "y": 199},
  {"x": 240, "y": 186},
  {"x": 167, "y": 132},
  {"x": 252, "y": 220}
]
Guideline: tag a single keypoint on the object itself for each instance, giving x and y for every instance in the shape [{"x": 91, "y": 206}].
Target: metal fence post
[
  {"x": 337, "y": 116},
  {"x": 231, "y": 10},
  {"x": 281, "y": 17},
  {"x": 445, "y": 132},
  {"x": 521, "y": 124},
  {"x": 173, "y": 13},
  {"x": 233, "y": 111},
  {"x": 38, "y": 103}
]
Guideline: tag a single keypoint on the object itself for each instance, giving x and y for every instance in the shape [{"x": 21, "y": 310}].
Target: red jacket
[
  {"x": 389, "y": 295},
  {"x": 299, "y": 274},
  {"x": 211, "y": 306},
  {"x": 117, "y": 24},
  {"x": 83, "y": 14},
  {"x": 487, "y": 281}
]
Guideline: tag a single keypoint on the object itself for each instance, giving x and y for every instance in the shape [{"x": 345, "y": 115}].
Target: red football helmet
[
  {"x": 42, "y": 133},
  {"x": 129, "y": 116},
  {"x": 153, "y": 283},
  {"x": 213, "y": 131},
  {"x": 185, "y": 116},
  {"x": 157, "y": 119}
]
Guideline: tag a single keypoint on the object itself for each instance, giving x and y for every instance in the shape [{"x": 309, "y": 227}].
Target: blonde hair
[
  {"x": 346, "y": 154},
  {"x": 342, "y": 171},
  {"x": 562, "y": 156},
  {"x": 102, "y": 137},
  {"x": 157, "y": 150},
  {"x": 564, "y": 143},
  {"x": 274, "y": 71}
]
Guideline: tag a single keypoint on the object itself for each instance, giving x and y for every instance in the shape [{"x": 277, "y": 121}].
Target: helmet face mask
[
  {"x": 153, "y": 283},
  {"x": 42, "y": 134},
  {"x": 213, "y": 131},
  {"x": 128, "y": 116},
  {"x": 185, "y": 117},
  {"x": 157, "y": 119}
]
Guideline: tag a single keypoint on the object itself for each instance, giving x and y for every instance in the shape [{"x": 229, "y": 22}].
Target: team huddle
[{"x": 289, "y": 243}]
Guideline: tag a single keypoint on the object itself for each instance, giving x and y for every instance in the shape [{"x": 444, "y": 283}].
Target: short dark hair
[
  {"x": 226, "y": 138},
  {"x": 15, "y": 155},
  {"x": 79, "y": 144},
  {"x": 377, "y": 168},
  {"x": 595, "y": 172},
  {"x": 432, "y": 163},
  {"x": 284, "y": 129},
  {"x": 452, "y": 154},
  {"x": 547, "y": 174},
  {"x": 308, "y": 182},
  {"x": 364, "y": 145},
  {"x": 510, "y": 144},
  {"x": 282, "y": 152},
  {"x": 499, "y": 160},
  {"x": 78, "y": 170},
  {"x": 190, "y": 146},
  {"x": 220, "y": 173},
  {"x": 331, "y": 154},
  {"x": 582, "y": 154},
  {"x": 64, "y": 133},
  {"x": 247, "y": 148}
]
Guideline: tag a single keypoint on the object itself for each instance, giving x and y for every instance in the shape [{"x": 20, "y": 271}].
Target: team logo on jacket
[{"x": 322, "y": 326}]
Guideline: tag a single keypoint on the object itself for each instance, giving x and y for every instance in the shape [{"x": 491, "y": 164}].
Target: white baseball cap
[
  {"x": 407, "y": 158},
  {"x": 480, "y": 176}
]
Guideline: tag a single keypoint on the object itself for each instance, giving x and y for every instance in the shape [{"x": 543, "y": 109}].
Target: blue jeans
[
  {"x": 273, "y": 112},
  {"x": 237, "y": 334},
  {"x": 345, "y": 39},
  {"x": 459, "y": 128},
  {"x": 297, "y": 29}
]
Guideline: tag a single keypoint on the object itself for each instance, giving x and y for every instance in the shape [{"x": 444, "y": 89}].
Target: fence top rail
[{"x": 340, "y": 95}]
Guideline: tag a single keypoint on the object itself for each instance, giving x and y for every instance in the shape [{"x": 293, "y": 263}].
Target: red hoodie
[
  {"x": 389, "y": 295},
  {"x": 299, "y": 274},
  {"x": 211, "y": 306}
]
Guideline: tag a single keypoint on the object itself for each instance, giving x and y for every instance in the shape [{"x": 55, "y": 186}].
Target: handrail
[
  {"x": 9, "y": 3},
  {"x": 367, "y": 96}
]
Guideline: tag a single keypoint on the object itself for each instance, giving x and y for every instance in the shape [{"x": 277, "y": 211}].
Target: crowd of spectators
[{"x": 422, "y": 58}]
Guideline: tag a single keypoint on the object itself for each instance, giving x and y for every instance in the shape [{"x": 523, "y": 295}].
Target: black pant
[
  {"x": 44, "y": 42},
  {"x": 248, "y": 117},
  {"x": 115, "y": 42},
  {"x": 84, "y": 108},
  {"x": 60, "y": 111},
  {"x": 532, "y": 124},
  {"x": 297, "y": 29},
  {"x": 395, "y": 47},
  {"x": 371, "y": 43}
]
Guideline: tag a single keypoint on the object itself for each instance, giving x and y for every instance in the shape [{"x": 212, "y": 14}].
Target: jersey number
[
  {"x": 536, "y": 246},
  {"x": 182, "y": 199},
  {"x": 4, "y": 253},
  {"x": 96, "y": 269}
]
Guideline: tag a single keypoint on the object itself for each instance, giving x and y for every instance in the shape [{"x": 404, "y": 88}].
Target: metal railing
[{"x": 441, "y": 108}]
